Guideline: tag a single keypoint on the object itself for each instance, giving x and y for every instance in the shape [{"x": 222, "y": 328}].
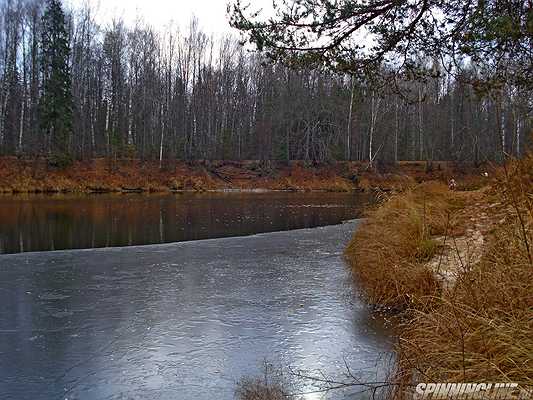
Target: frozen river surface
[{"x": 180, "y": 321}]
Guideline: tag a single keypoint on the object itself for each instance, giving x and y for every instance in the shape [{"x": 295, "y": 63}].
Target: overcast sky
[{"x": 158, "y": 13}]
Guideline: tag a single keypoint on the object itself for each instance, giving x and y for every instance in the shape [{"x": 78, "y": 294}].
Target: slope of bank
[
  {"x": 457, "y": 268},
  {"x": 102, "y": 175}
]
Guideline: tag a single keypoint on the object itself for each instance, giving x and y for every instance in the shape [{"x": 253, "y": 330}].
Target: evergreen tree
[
  {"x": 359, "y": 37},
  {"x": 56, "y": 97}
]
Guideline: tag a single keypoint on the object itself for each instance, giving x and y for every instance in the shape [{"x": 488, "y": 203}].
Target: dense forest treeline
[{"x": 133, "y": 91}]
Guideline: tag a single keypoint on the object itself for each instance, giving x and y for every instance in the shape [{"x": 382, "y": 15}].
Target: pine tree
[{"x": 56, "y": 96}]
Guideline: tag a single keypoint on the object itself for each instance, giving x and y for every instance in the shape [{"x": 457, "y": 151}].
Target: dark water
[
  {"x": 184, "y": 320},
  {"x": 38, "y": 223}
]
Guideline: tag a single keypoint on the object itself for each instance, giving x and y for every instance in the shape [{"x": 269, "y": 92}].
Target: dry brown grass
[
  {"x": 396, "y": 182},
  {"x": 388, "y": 250},
  {"x": 259, "y": 390},
  {"x": 102, "y": 175},
  {"x": 480, "y": 328},
  {"x": 23, "y": 176},
  {"x": 272, "y": 385}
]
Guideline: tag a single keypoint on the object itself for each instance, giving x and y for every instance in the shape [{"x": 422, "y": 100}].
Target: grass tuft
[{"x": 387, "y": 249}]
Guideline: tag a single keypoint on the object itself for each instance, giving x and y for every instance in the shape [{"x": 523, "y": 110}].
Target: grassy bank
[
  {"x": 103, "y": 175},
  {"x": 456, "y": 267}
]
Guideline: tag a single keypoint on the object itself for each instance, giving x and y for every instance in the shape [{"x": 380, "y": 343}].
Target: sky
[{"x": 211, "y": 14}]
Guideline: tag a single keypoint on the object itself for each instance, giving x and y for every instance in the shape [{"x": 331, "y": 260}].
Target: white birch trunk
[
  {"x": 349, "y": 130},
  {"x": 372, "y": 123},
  {"x": 420, "y": 128},
  {"x": 396, "y": 132},
  {"x": 21, "y": 128}
]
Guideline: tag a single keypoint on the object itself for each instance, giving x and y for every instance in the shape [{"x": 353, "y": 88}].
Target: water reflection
[{"x": 38, "y": 223}]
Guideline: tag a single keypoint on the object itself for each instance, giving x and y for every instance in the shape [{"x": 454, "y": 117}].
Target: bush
[
  {"x": 271, "y": 386},
  {"x": 60, "y": 161}
]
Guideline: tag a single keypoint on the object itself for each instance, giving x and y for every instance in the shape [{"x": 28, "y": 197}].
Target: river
[
  {"x": 60, "y": 222},
  {"x": 187, "y": 320}
]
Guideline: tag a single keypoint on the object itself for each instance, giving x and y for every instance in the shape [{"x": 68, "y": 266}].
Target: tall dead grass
[
  {"x": 479, "y": 329},
  {"x": 272, "y": 385},
  {"x": 482, "y": 329},
  {"x": 389, "y": 249}
]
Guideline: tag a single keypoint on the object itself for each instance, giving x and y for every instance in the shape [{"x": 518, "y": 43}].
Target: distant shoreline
[{"x": 134, "y": 176}]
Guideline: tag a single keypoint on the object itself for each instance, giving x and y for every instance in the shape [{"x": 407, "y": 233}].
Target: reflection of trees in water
[{"x": 42, "y": 223}]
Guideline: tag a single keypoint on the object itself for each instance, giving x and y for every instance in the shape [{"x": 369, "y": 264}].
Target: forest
[{"x": 180, "y": 93}]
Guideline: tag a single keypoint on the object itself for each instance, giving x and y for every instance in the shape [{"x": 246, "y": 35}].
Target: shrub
[
  {"x": 272, "y": 385},
  {"x": 60, "y": 161}
]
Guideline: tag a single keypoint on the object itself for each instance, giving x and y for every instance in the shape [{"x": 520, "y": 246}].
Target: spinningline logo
[{"x": 467, "y": 391}]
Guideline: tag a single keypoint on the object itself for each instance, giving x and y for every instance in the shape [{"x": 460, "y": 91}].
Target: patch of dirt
[{"x": 462, "y": 247}]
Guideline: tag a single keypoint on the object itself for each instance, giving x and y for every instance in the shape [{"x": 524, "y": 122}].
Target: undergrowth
[
  {"x": 480, "y": 329},
  {"x": 389, "y": 248}
]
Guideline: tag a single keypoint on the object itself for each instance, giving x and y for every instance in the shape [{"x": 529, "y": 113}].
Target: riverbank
[
  {"x": 104, "y": 176},
  {"x": 456, "y": 268}
]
